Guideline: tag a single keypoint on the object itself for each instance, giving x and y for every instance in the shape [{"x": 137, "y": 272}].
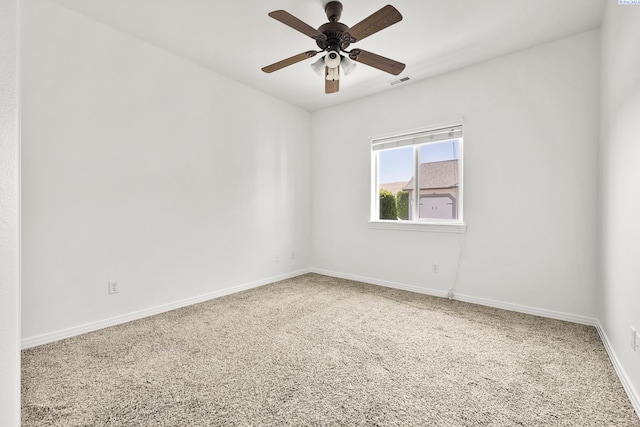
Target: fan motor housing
[{"x": 335, "y": 32}]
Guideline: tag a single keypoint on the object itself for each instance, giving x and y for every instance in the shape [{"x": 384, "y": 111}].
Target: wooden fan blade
[
  {"x": 289, "y": 61},
  {"x": 331, "y": 86},
  {"x": 379, "y": 20},
  {"x": 288, "y": 19},
  {"x": 377, "y": 61}
]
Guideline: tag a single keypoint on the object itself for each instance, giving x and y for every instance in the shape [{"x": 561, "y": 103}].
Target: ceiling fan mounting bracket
[{"x": 333, "y": 10}]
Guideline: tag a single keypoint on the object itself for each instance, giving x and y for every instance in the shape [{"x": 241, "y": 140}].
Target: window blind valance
[{"x": 417, "y": 137}]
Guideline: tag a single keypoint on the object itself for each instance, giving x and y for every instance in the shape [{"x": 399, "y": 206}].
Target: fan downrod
[{"x": 333, "y": 30}]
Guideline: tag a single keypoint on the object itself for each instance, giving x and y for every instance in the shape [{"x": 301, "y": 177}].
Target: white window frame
[{"x": 416, "y": 138}]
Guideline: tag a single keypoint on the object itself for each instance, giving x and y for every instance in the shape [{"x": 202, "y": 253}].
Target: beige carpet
[{"x": 316, "y": 350}]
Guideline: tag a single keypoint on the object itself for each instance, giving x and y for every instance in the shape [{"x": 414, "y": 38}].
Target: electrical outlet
[
  {"x": 277, "y": 257},
  {"x": 633, "y": 339},
  {"x": 293, "y": 255},
  {"x": 636, "y": 340},
  {"x": 113, "y": 287},
  {"x": 435, "y": 268}
]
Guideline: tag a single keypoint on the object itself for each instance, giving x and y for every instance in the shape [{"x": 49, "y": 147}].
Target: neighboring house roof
[{"x": 436, "y": 175}]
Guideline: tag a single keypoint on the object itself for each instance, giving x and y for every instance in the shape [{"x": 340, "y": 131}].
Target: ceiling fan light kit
[
  {"x": 335, "y": 38},
  {"x": 318, "y": 66},
  {"x": 347, "y": 65},
  {"x": 332, "y": 59}
]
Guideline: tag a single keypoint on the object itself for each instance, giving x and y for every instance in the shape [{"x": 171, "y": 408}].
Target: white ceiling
[{"x": 236, "y": 38}]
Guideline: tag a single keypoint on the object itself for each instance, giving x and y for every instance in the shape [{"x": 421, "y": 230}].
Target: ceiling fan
[{"x": 334, "y": 38}]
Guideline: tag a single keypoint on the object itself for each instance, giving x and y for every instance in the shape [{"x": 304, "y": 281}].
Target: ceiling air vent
[{"x": 402, "y": 80}]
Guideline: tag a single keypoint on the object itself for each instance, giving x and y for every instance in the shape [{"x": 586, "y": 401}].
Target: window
[{"x": 417, "y": 177}]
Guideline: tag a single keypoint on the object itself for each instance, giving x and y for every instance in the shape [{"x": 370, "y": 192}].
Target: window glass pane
[
  {"x": 418, "y": 177},
  {"x": 395, "y": 176},
  {"x": 439, "y": 180}
]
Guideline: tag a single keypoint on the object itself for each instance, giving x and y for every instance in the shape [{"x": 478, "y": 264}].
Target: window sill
[{"x": 420, "y": 226}]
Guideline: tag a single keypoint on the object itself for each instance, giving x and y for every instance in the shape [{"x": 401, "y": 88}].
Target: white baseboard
[
  {"x": 466, "y": 298},
  {"x": 385, "y": 283},
  {"x": 93, "y": 326},
  {"x": 542, "y": 312},
  {"x": 632, "y": 393}
]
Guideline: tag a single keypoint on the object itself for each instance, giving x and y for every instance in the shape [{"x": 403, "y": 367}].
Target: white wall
[
  {"x": 9, "y": 217},
  {"x": 145, "y": 169},
  {"x": 619, "y": 295},
  {"x": 530, "y": 170}
]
